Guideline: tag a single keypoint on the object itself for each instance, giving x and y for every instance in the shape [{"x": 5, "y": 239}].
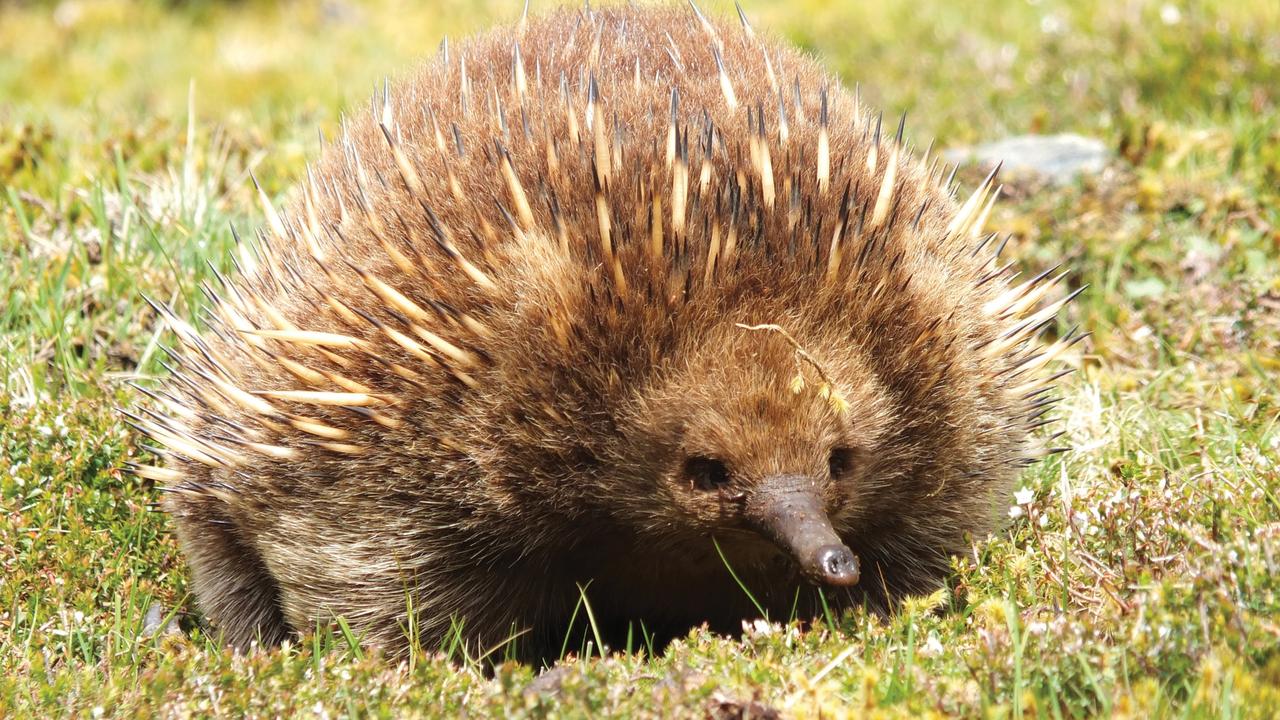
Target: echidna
[{"x": 627, "y": 305}]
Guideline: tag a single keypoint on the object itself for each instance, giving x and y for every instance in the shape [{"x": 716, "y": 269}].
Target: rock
[
  {"x": 723, "y": 707},
  {"x": 1056, "y": 159},
  {"x": 155, "y": 622},
  {"x": 549, "y": 681}
]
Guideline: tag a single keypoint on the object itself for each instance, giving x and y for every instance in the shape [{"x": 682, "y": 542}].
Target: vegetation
[{"x": 1140, "y": 573}]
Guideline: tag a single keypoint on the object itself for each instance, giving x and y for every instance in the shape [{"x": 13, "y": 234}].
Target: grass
[{"x": 1140, "y": 578}]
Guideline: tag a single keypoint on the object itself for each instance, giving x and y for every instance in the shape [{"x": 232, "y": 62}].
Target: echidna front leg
[{"x": 231, "y": 584}]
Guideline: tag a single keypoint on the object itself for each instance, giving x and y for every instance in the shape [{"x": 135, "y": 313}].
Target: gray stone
[
  {"x": 1057, "y": 159},
  {"x": 156, "y": 622}
]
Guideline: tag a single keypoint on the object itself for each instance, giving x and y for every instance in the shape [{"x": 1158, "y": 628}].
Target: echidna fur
[{"x": 562, "y": 315}]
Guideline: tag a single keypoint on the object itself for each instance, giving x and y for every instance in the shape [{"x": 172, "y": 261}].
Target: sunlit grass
[{"x": 1142, "y": 578}]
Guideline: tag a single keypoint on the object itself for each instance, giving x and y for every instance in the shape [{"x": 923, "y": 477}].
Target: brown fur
[{"x": 518, "y": 417}]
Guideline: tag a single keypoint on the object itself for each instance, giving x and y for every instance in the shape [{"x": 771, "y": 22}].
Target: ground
[{"x": 1139, "y": 574}]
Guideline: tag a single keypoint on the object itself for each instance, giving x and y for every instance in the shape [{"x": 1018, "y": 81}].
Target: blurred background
[
  {"x": 965, "y": 71},
  {"x": 1019, "y": 64}
]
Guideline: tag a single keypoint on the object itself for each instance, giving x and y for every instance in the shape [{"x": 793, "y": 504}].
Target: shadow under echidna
[{"x": 627, "y": 302}]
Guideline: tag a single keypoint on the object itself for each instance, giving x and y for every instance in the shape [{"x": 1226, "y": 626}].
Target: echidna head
[{"x": 768, "y": 438}]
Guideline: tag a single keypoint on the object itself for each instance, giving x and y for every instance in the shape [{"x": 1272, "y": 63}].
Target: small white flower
[
  {"x": 1024, "y": 496},
  {"x": 1015, "y": 512},
  {"x": 1052, "y": 24},
  {"x": 1170, "y": 14},
  {"x": 758, "y": 628},
  {"x": 932, "y": 647}
]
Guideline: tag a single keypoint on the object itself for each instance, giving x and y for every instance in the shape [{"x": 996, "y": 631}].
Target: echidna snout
[{"x": 788, "y": 510}]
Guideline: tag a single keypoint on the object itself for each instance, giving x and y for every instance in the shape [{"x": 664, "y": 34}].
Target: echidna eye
[
  {"x": 706, "y": 473},
  {"x": 840, "y": 462}
]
